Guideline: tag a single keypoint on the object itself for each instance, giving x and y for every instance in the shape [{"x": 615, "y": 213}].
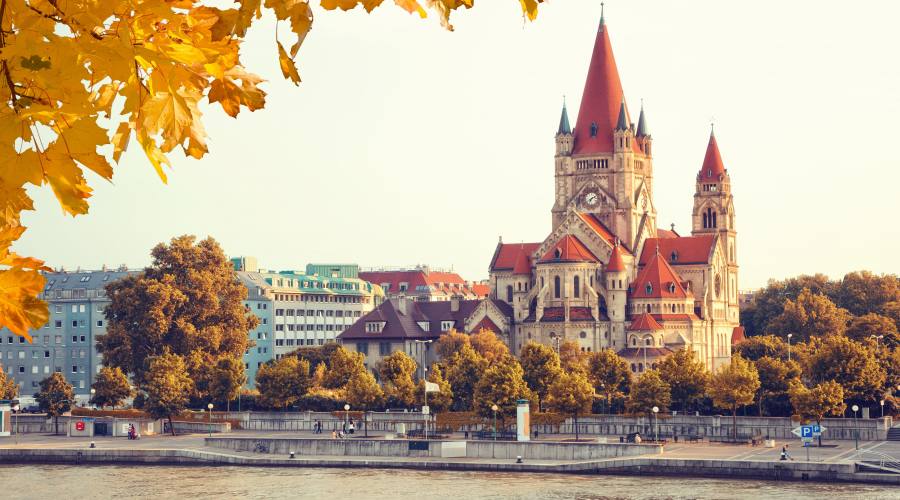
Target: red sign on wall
[{"x": 79, "y": 426}]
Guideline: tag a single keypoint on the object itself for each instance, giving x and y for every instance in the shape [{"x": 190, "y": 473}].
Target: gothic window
[
  {"x": 593, "y": 129},
  {"x": 633, "y": 341},
  {"x": 556, "y": 287},
  {"x": 718, "y": 286},
  {"x": 542, "y": 282},
  {"x": 674, "y": 256},
  {"x": 640, "y": 367},
  {"x": 576, "y": 283},
  {"x": 648, "y": 307},
  {"x": 649, "y": 288},
  {"x": 509, "y": 294},
  {"x": 705, "y": 223},
  {"x": 633, "y": 368},
  {"x": 647, "y": 342},
  {"x": 671, "y": 287},
  {"x": 620, "y": 283},
  {"x": 714, "y": 220}
]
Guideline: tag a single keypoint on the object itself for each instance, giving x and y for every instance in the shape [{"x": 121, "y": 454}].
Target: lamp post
[
  {"x": 789, "y": 345},
  {"x": 15, "y": 410},
  {"x": 346, "y": 415},
  {"x": 424, "y": 386},
  {"x": 209, "y": 408},
  {"x": 93, "y": 392},
  {"x": 882, "y": 408},
  {"x": 855, "y": 409},
  {"x": 495, "y": 408},
  {"x": 655, "y": 410}
]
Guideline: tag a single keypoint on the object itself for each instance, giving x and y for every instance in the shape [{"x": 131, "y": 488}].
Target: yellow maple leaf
[
  {"x": 20, "y": 309},
  {"x": 288, "y": 68}
]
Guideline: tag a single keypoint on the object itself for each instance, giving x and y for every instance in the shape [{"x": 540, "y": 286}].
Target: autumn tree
[
  {"x": 647, "y": 391},
  {"x": 397, "y": 371},
  {"x": 437, "y": 401},
  {"x": 168, "y": 387},
  {"x": 733, "y": 386},
  {"x": 81, "y": 79},
  {"x": 282, "y": 382},
  {"x": 342, "y": 365},
  {"x": 775, "y": 377},
  {"x": 610, "y": 375},
  {"x": 849, "y": 363},
  {"x": 55, "y": 397},
  {"x": 489, "y": 346},
  {"x": 450, "y": 343},
  {"x": 187, "y": 303},
  {"x": 754, "y": 348},
  {"x": 317, "y": 355},
  {"x": 363, "y": 392},
  {"x": 227, "y": 380},
  {"x": 864, "y": 292},
  {"x": 863, "y": 328},
  {"x": 810, "y": 315},
  {"x": 464, "y": 369},
  {"x": 768, "y": 303},
  {"x": 686, "y": 376},
  {"x": 571, "y": 357},
  {"x": 541, "y": 366},
  {"x": 111, "y": 387},
  {"x": 9, "y": 389},
  {"x": 571, "y": 394},
  {"x": 818, "y": 402},
  {"x": 502, "y": 384}
]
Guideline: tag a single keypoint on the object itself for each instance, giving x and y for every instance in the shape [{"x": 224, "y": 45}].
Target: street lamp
[
  {"x": 655, "y": 410},
  {"x": 93, "y": 391},
  {"x": 495, "y": 408},
  {"x": 882, "y": 408},
  {"x": 15, "y": 410},
  {"x": 209, "y": 408},
  {"x": 424, "y": 386},
  {"x": 789, "y": 345},
  {"x": 855, "y": 409},
  {"x": 346, "y": 415}
]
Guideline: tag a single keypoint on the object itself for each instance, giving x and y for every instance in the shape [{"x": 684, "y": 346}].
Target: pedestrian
[
  {"x": 317, "y": 429},
  {"x": 352, "y": 427},
  {"x": 784, "y": 453},
  {"x": 333, "y": 434}
]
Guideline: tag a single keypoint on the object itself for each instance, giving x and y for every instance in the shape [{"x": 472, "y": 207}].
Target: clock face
[{"x": 591, "y": 198}]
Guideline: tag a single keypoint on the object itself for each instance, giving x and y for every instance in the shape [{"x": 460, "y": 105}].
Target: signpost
[{"x": 807, "y": 433}]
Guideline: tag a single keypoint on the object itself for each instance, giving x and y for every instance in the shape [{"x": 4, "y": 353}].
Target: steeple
[
  {"x": 564, "y": 127},
  {"x": 622, "y": 122},
  {"x": 601, "y": 100},
  {"x": 712, "y": 162},
  {"x": 642, "y": 124},
  {"x": 615, "y": 263}
]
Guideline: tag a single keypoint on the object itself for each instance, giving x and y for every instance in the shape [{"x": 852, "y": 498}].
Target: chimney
[
  {"x": 454, "y": 303},
  {"x": 401, "y": 305}
]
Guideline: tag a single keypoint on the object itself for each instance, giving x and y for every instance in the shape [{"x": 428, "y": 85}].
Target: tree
[
  {"x": 464, "y": 369},
  {"x": 282, "y": 382},
  {"x": 571, "y": 357},
  {"x": 754, "y": 348},
  {"x": 9, "y": 389},
  {"x": 686, "y": 376},
  {"x": 363, "y": 392},
  {"x": 317, "y": 355},
  {"x": 168, "y": 387},
  {"x": 775, "y": 376},
  {"x": 848, "y": 363},
  {"x": 610, "y": 375},
  {"x": 769, "y": 302},
  {"x": 862, "y": 328},
  {"x": 734, "y": 385},
  {"x": 824, "y": 399},
  {"x": 864, "y": 292},
  {"x": 541, "y": 366},
  {"x": 397, "y": 372},
  {"x": 810, "y": 315},
  {"x": 228, "y": 378},
  {"x": 187, "y": 303},
  {"x": 502, "y": 385},
  {"x": 571, "y": 394},
  {"x": 55, "y": 397},
  {"x": 647, "y": 391},
  {"x": 437, "y": 401},
  {"x": 342, "y": 365},
  {"x": 111, "y": 387},
  {"x": 65, "y": 66},
  {"x": 489, "y": 346},
  {"x": 450, "y": 343}
]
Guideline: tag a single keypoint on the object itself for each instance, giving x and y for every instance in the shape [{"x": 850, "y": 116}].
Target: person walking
[
  {"x": 352, "y": 427},
  {"x": 784, "y": 453}
]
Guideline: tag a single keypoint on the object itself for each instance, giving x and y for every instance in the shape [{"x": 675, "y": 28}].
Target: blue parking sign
[{"x": 806, "y": 431}]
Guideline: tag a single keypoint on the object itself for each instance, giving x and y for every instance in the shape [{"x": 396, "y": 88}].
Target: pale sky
[{"x": 409, "y": 144}]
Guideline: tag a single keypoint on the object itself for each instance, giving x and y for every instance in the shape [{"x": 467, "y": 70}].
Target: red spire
[
  {"x": 522, "y": 266},
  {"x": 601, "y": 100},
  {"x": 657, "y": 280},
  {"x": 615, "y": 260},
  {"x": 645, "y": 323},
  {"x": 569, "y": 248},
  {"x": 712, "y": 162}
]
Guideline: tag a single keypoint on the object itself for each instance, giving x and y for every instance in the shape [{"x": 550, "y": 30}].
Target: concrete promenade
[{"x": 834, "y": 462}]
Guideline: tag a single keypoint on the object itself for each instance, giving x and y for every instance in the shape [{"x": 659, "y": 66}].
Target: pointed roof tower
[
  {"x": 642, "y": 129},
  {"x": 712, "y": 162},
  {"x": 622, "y": 122},
  {"x": 658, "y": 280},
  {"x": 564, "y": 127},
  {"x": 569, "y": 249},
  {"x": 522, "y": 265},
  {"x": 615, "y": 263},
  {"x": 601, "y": 100}
]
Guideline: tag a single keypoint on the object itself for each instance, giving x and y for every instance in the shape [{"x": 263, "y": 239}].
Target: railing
[{"x": 882, "y": 460}]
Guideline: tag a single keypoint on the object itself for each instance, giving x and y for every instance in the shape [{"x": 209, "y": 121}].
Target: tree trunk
[
  {"x": 171, "y": 425},
  {"x": 734, "y": 422},
  {"x": 56, "y": 425},
  {"x": 819, "y": 423},
  {"x": 576, "y": 425}
]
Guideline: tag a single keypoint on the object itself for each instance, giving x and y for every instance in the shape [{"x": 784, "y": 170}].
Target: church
[{"x": 607, "y": 276}]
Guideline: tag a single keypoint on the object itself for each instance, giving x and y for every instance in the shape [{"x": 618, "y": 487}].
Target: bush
[{"x": 318, "y": 402}]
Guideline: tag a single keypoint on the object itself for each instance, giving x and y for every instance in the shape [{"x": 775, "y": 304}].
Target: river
[{"x": 66, "y": 481}]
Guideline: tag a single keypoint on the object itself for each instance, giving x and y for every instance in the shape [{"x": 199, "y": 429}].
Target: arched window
[
  {"x": 519, "y": 286},
  {"x": 556, "y": 287},
  {"x": 649, "y": 288},
  {"x": 714, "y": 224},
  {"x": 640, "y": 367},
  {"x": 633, "y": 368},
  {"x": 509, "y": 294},
  {"x": 576, "y": 282},
  {"x": 647, "y": 342},
  {"x": 633, "y": 341},
  {"x": 558, "y": 253},
  {"x": 648, "y": 307},
  {"x": 704, "y": 221}
]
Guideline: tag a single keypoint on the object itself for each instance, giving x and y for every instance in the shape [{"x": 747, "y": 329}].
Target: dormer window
[
  {"x": 424, "y": 325},
  {"x": 593, "y": 129},
  {"x": 557, "y": 253},
  {"x": 674, "y": 256},
  {"x": 649, "y": 288},
  {"x": 671, "y": 287},
  {"x": 374, "y": 326},
  {"x": 446, "y": 325}
]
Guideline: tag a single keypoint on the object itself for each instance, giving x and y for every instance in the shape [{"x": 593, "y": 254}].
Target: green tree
[
  {"x": 55, "y": 397},
  {"x": 647, "y": 391},
  {"x": 769, "y": 302},
  {"x": 397, "y": 371},
  {"x": 754, "y": 348},
  {"x": 610, "y": 375},
  {"x": 281, "y": 383},
  {"x": 437, "y": 401},
  {"x": 542, "y": 368},
  {"x": 187, "y": 303},
  {"x": 464, "y": 369},
  {"x": 489, "y": 346},
  {"x": 822, "y": 400},
  {"x": 342, "y": 365},
  {"x": 450, "y": 343},
  {"x": 775, "y": 376},
  {"x": 363, "y": 392},
  {"x": 571, "y": 394},
  {"x": 810, "y": 315},
  {"x": 228, "y": 377},
  {"x": 9, "y": 389},
  {"x": 318, "y": 354},
  {"x": 571, "y": 357},
  {"x": 502, "y": 385},
  {"x": 863, "y": 328},
  {"x": 111, "y": 387},
  {"x": 849, "y": 363},
  {"x": 686, "y": 376},
  {"x": 168, "y": 387},
  {"x": 733, "y": 386}
]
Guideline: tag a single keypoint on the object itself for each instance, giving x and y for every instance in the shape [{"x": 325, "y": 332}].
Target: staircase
[{"x": 893, "y": 434}]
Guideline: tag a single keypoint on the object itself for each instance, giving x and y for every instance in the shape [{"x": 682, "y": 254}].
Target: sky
[{"x": 408, "y": 144}]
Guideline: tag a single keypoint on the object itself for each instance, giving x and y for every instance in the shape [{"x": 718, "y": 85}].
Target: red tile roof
[
  {"x": 665, "y": 233},
  {"x": 615, "y": 260},
  {"x": 569, "y": 248},
  {"x": 688, "y": 249},
  {"x": 737, "y": 335},
  {"x": 712, "y": 162},
  {"x": 581, "y": 314},
  {"x": 639, "y": 352},
  {"x": 657, "y": 280},
  {"x": 523, "y": 263},
  {"x": 419, "y": 282},
  {"x": 554, "y": 314},
  {"x": 594, "y": 223},
  {"x": 506, "y": 254},
  {"x": 644, "y": 323},
  {"x": 480, "y": 290}
]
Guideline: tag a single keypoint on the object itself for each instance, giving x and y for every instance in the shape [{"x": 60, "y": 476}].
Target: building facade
[
  {"x": 424, "y": 284},
  {"x": 607, "y": 276}
]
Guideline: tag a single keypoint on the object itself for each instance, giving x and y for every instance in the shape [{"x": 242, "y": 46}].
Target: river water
[{"x": 67, "y": 481}]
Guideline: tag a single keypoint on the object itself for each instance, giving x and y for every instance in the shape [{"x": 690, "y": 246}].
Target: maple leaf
[
  {"x": 288, "y": 69},
  {"x": 19, "y": 306}
]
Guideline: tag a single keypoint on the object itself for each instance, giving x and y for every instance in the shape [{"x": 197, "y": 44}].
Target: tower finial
[{"x": 601, "y": 16}]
